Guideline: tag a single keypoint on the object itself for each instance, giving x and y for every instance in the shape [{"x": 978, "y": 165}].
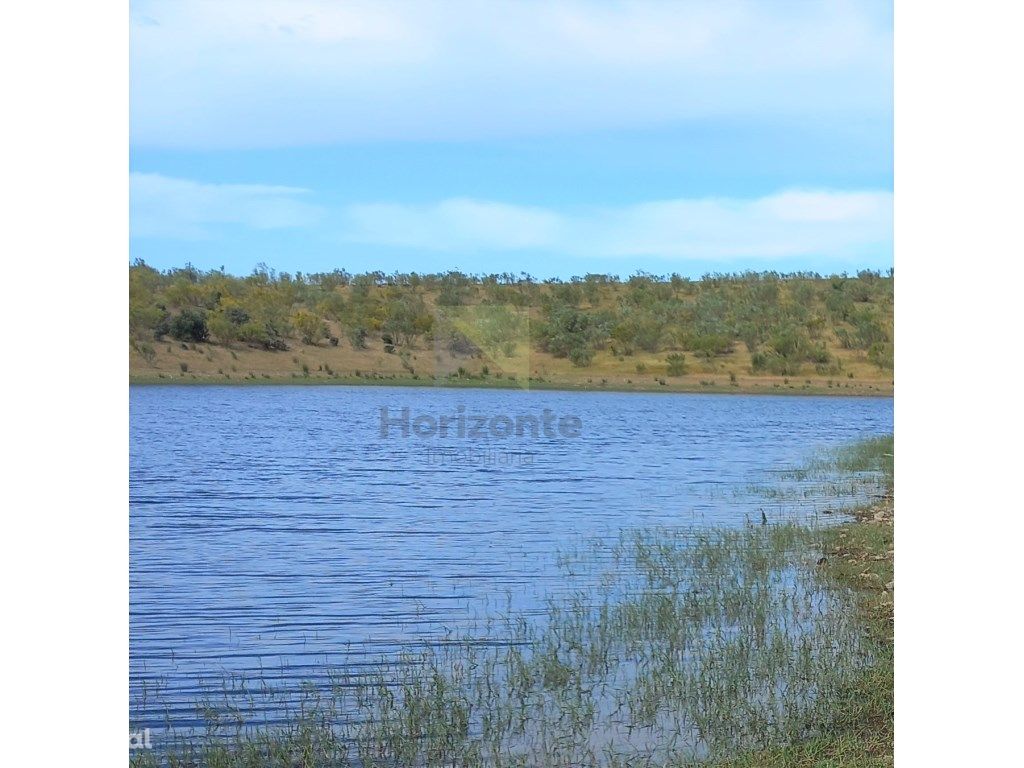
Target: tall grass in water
[
  {"x": 869, "y": 460},
  {"x": 838, "y": 478},
  {"x": 875, "y": 455},
  {"x": 669, "y": 646}
]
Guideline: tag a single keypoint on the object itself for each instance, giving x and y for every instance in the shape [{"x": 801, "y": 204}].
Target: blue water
[{"x": 274, "y": 529}]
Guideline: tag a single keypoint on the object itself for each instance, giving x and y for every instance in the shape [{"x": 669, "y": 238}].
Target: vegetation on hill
[{"x": 763, "y": 324}]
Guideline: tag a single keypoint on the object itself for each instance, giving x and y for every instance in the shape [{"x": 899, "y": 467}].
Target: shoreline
[{"x": 763, "y": 387}]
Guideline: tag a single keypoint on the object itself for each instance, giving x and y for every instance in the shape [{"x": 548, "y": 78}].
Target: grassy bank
[
  {"x": 860, "y": 728},
  {"x": 766, "y": 645},
  {"x": 209, "y": 363}
]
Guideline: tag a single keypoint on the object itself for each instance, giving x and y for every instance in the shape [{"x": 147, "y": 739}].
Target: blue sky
[{"x": 556, "y": 138}]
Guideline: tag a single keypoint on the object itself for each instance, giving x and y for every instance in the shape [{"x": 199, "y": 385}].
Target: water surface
[{"x": 274, "y": 529}]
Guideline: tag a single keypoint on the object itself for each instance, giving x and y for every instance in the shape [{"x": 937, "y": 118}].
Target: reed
[{"x": 668, "y": 646}]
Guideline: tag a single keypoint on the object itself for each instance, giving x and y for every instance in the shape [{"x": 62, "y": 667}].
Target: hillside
[{"x": 747, "y": 332}]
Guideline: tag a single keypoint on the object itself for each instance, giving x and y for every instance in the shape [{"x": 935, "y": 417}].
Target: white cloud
[
  {"x": 455, "y": 225},
  {"x": 787, "y": 224},
  {"x": 250, "y": 73},
  {"x": 162, "y": 206}
]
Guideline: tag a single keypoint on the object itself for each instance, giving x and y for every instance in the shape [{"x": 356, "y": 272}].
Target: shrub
[
  {"x": 257, "y": 334},
  {"x": 639, "y": 329},
  {"x": 147, "y": 352},
  {"x": 144, "y": 319},
  {"x": 357, "y": 337},
  {"x": 404, "y": 357},
  {"x": 773, "y": 363},
  {"x": 574, "y": 334},
  {"x": 882, "y": 354},
  {"x": 789, "y": 343},
  {"x": 310, "y": 327},
  {"x": 868, "y": 331},
  {"x": 498, "y": 329},
  {"x": 709, "y": 344},
  {"x": 816, "y": 353},
  {"x": 838, "y": 303},
  {"x": 581, "y": 356},
  {"x": 163, "y": 327},
  {"x": 460, "y": 344},
  {"x": 190, "y": 325},
  {"x": 676, "y": 364},
  {"x": 221, "y": 328},
  {"x": 450, "y": 296}
]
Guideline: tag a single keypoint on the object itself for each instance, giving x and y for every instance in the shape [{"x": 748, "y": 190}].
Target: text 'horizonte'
[{"x": 477, "y": 426}]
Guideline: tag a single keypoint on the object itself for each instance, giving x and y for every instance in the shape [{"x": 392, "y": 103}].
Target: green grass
[
  {"x": 872, "y": 458},
  {"x": 860, "y": 559},
  {"x": 873, "y": 455}
]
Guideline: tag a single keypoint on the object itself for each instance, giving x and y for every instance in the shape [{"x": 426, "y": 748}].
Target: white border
[
  {"x": 65, "y": 560},
  {"x": 959, "y": 175},
  {"x": 960, "y": 293}
]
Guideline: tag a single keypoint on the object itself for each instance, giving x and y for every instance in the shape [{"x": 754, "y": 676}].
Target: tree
[{"x": 406, "y": 317}]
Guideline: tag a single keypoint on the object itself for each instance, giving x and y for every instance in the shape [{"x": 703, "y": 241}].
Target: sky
[{"x": 554, "y": 138}]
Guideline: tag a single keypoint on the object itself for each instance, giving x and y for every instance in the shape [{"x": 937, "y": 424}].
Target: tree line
[{"x": 786, "y": 321}]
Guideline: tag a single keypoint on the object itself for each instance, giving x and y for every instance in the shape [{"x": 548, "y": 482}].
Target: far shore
[{"x": 753, "y": 386}]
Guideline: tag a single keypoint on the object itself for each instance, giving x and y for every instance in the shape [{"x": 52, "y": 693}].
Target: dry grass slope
[{"x": 742, "y": 333}]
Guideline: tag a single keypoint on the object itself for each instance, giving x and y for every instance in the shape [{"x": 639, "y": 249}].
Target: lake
[{"x": 276, "y": 529}]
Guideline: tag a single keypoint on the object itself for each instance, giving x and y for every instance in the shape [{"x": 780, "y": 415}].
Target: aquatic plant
[{"x": 669, "y": 645}]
